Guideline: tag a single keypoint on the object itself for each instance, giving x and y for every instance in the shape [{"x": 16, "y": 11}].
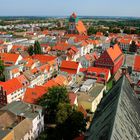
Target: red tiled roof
[
  {"x": 69, "y": 66},
  {"x": 17, "y": 47},
  {"x": 1, "y": 41},
  {"x": 137, "y": 63},
  {"x": 74, "y": 49},
  {"x": 60, "y": 80},
  {"x": 44, "y": 58},
  {"x": 77, "y": 36},
  {"x": 11, "y": 85},
  {"x": 125, "y": 41},
  {"x": 88, "y": 57},
  {"x": 50, "y": 83},
  {"x": 44, "y": 67},
  {"x": 61, "y": 47},
  {"x": 81, "y": 28},
  {"x": 45, "y": 32},
  {"x": 99, "y": 71},
  {"x": 95, "y": 42},
  {"x": 114, "y": 52},
  {"x": 16, "y": 70},
  {"x": 83, "y": 69},
  {"x": 32, "y": 94},
  {"x": 9, "y": 57},
  {"x": 22, "y": 79},
  {"x": 34, "y": 70},
  {"x": 99, "y": 34},
  {"x": 72, "y": 98},
  {"x": 30, "y": 62}
]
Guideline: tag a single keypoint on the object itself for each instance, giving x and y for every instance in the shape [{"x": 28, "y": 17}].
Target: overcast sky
[{"x": 66, "y": 7}]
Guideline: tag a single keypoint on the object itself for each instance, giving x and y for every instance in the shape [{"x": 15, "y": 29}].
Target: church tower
[
  {"x": 76, "y": 26},
  {"x": 73, "y": 20}
]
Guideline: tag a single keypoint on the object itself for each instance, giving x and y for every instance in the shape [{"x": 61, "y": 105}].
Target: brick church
[{"x": 76, "y": 26}]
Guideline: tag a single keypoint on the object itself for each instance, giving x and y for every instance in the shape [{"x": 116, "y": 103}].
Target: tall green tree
[
  {"x": 2, "y": 67},
  {"x": 31, "y": 50},
  {"x": 63, "y": 112},
  {"x": 73, "y": 126},
  {"x": 37, "y": 48},
  {"x": 51, "y": 100},
  {"x": 68, "y": 121},
  {"x": 54, "y": 96}
]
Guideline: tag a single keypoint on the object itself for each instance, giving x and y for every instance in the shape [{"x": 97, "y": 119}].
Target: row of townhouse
[
  {"x": 21, "y": 121},
  {"x": 28, "y": 72}
]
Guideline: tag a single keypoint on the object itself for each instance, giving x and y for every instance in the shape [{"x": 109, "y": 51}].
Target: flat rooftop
[{"x": 92, "y": 94}]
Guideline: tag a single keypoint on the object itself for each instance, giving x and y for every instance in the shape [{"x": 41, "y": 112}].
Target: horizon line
[{"x": 65, "y": 16}]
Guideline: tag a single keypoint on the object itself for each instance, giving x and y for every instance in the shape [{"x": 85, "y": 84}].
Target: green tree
[
  {"x": 52, "y": 99},
  {"x": 91, "y": 31},
  {"x": 63, "y": 111},
  {"x": 2, "y": 67},
  {"x": 73, "y": 126},
  {"x": 54, "y": 96},
  {"x": 37, "y": 48},
  {"x": 31, "y": 50},
  {"x": 69, "y": 122}
]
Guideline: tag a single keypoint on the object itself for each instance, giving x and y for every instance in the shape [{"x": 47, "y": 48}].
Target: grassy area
[{"x": 110, "y": 84}]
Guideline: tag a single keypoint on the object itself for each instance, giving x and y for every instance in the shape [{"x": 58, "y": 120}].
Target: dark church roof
[{"x": 117, "y": 116}]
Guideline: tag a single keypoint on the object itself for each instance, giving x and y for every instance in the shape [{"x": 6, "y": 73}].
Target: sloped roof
[
  {"x": 32, "y": 94},
  {"x": 61, "y": 46},
  {"x": 11, "y": 85},
  {"x": 125, "y": 41},
  {"x": 69, "y": 64},
  {"x": 114, "y": 52},
  {"x": 60, "y": 80},
  {"x": 99, "y": 71},
  {"x": 117, "y": 115},
  {"x": 51, "y": 83},
  {"x": 70, "y": 67},
  {"x": 80, "y": 27},
  {"x": 137, "y": 63},
  {"x": 44, "y": 58},
  {"x": 72, "y": 98},
  {"x": 6, "y": 57}
]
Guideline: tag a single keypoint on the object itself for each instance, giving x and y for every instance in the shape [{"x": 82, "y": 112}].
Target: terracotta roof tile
[
  {"x": 9, "y": 57},
  {"x": 32, "y": 94},
  {"x": 69, "y": 66},
  {"x": 72, "y": 98},
  {"x": 137, "y": 63},
  {"x": 99, "y": 71},
  {"x": 11, "y": 85},
  {"x": 44, "y": 58},
  {"x": 114, "y": 52},
  {"x": 81, "y": 28}
]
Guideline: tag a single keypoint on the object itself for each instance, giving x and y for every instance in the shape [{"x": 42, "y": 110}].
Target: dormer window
[
  {"x": 102, "y": 75},
  {"x": 94, "y": 73}
]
